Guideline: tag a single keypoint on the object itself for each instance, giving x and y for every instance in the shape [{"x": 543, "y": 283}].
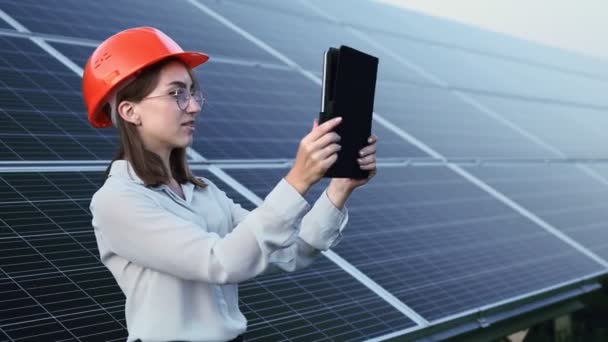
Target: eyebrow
[{"x": 179, "y": 84}]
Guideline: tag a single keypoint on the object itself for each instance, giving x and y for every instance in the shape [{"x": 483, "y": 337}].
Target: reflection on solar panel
[
  {"x": 426, "y": 247},
  {"x": 440, "y": 118},
  {"x": 562, "y": 195},
  {"x": 414, "y": 26},
  {"x": 91, "y": 20},
  {"x": 466, "y": 241}
]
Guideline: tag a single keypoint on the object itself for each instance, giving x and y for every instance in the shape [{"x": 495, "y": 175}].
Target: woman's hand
[
  {"x": 340, "y": 189},
  {"x": 316, "y": 153}
]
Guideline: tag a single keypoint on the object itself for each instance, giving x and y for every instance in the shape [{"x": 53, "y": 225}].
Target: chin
[{"x": 184, "y": 144}]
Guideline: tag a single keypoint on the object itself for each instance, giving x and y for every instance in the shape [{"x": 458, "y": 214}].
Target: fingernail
[
  {"x": 339, "y": 118},
  {"x": 360, "y": 153},
  {"x": 370, "y": 140}
]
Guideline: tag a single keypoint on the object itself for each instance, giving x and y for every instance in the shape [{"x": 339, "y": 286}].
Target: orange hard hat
[{"x": 119, "y": 58}]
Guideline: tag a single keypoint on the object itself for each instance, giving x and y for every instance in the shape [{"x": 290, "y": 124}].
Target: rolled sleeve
[
  {"x": 145, "y": 233},
  {"x": 286, "y": 203},
  {"x": 322, "y": 226}
]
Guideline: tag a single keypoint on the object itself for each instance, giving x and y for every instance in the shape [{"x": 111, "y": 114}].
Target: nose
[{"x": 193, "y": 106}]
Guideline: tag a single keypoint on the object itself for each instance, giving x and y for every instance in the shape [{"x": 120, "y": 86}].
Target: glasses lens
[
  {"x": 183, "y": 98},
  {"x": 198, "y": 97}
]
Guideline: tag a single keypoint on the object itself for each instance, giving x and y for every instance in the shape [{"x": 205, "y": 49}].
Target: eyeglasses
[{"x": 182, "y": 97}]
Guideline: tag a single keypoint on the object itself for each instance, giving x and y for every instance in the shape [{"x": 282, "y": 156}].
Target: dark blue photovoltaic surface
[
  {"x": 55, "y": 285},
  {"x": 304, "y": 39},
  {"x": 42, "y": 115},
  {"x": 95, "y": 20},
  {"x": 258, "y": 112},
  {"x": 430, "y": 237},
  {"x": 564, "y": 196},
  {"x": 467, "y": 243},
  {"x": 452, "y": 127},
  {"x": 571, "y": 130}
]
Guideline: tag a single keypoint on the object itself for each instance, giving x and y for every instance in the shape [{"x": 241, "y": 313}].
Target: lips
[{"x": 188, "y": 123}]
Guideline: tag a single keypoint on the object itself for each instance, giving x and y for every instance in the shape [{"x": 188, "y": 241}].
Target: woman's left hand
[{"x": 367, "y": 161}]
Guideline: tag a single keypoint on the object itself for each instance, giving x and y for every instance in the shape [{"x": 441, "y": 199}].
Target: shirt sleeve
[
  {"x": 319, "y": 230},
  {"x": 134, "y": 226}
]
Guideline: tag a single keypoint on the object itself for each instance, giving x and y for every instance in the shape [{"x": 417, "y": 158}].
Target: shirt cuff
[
  {"x": 322, "y": 226},
  {"x": 289, "y": 206},
  {"x": 286, "y": 200}
]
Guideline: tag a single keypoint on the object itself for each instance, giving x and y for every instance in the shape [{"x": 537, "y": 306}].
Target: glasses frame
[{"x": 197, "y": 94}]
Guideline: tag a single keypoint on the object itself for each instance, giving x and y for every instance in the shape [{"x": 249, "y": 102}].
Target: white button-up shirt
[{"x": 179, "y": 261}]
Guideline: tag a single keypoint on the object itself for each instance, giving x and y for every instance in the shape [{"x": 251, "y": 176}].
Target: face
[{"x": 163, "y": 126}]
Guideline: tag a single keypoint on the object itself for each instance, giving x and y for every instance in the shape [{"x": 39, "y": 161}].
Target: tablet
[{"x": 348, "y": 89}]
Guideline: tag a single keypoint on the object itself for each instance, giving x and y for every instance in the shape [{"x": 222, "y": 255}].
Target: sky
[{"x": 580, "y": 26}]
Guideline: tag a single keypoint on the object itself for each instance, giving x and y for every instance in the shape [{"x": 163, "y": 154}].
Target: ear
[{"x": 126, "y": 110}]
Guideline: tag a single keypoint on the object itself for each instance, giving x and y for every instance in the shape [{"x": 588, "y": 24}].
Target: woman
[{"x": 176, "y": 244}]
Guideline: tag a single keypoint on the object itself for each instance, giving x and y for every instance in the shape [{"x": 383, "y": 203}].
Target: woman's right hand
[{"x": 316, "y": 153}]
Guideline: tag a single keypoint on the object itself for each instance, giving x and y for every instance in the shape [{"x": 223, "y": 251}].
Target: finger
[
  {"x": 326, "y": 139},
  {"x": 329, "y": 161},
  {"x": 367, "y": 160},
  {"x": 370, "y": 149},
  {"x": 372, "y": 138},
  {"x": 315, "y": 123},
  {"x": 328, "y": 151},
  {"x": 370, "y": 167},
  {"x": 325, "y": 127}
]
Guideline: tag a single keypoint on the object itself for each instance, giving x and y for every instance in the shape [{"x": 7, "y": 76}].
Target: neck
[
  {"x": 164, "y": 152},
  {"x": 166, "y": 162}
]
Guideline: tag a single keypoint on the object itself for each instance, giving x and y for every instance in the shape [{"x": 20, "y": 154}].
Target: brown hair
[{"x": 147, "y": 165}]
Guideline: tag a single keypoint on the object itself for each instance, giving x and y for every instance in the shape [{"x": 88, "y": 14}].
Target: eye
[{"x": 177, "y": 93}]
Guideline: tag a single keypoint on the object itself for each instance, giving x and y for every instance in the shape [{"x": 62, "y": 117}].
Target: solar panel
[
  {"x": 447, "y": 124},
  {"x": 321, "y": 302},
  {"x": 41, "y": 110},
  {"x": 572, "y": 130},
  {"x": 54, "y": 283},
  {"x": 4, "y": 25},
  {"x": 304, "y": 39},
  {"x": 295, "y": 8},
  {"x": 567, "y": 197},
  {"x": 462, "y": 70},
  {"x": 97, "y": 21},
  {"x": 467, "y": 242},
  {"x": 441, "y": 246},
  {"x": 417, "y": 26},
  {"x": 258, "y": 112}
]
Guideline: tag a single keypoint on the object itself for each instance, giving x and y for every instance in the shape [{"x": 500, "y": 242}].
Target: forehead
[{"x": 174, "y": 71}]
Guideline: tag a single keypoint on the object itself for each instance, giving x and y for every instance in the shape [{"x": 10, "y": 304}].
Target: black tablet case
[{"x": 349, "y": 84}]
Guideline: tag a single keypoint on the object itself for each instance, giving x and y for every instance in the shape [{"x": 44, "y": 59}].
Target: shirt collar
[{"x": 122, "y": 169}]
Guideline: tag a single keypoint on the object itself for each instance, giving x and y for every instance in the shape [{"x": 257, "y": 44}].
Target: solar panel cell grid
[
  {"x": 435, "y": 241},
  {"x": 93, "y": 20},
  {"x": 566, "y": 197},
  {"x": 574, "y": 131},
  {"x": 41, "y": 111},
  {"x": 305, "y": 39},
  {"x": 452, "y": 127},
  {"x": 55, "y": 285},
  {"x": 467, "y": 242}
]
